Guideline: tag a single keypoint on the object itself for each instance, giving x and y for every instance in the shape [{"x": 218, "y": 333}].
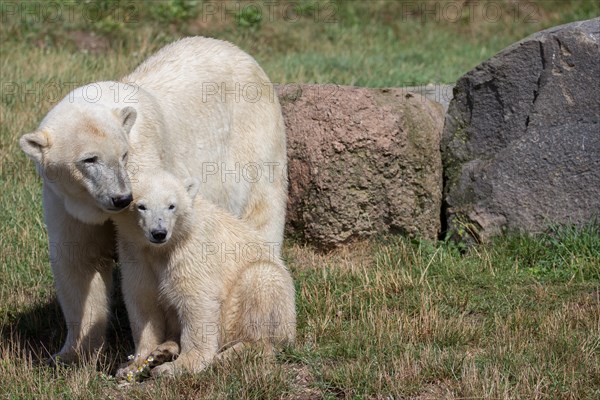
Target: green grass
[
  {"x": 395, "y": 317},
  {"x": 375, "y": 43},
  {"x": 518, "y": 318}
]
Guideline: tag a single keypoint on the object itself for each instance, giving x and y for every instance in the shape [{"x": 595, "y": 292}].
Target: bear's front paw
[
  {"x": 134, "y": 371},
  {"x": 69, "y": 357},
  {"x": 61, "y": 359},
  {"x": 126, "y": 372},
  {"x": 164, "y": 370}
]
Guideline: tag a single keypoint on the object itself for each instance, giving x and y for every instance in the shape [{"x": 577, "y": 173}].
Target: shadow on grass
[{"x": 39, "y": 331}]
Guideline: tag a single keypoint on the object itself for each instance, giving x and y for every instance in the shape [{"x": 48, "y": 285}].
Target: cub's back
[{"x": 225, "y": 241}]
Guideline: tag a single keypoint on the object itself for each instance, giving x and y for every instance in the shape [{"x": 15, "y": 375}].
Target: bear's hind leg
[
  {"x": 261, "y": 307},
  {"x": 199, "y": 340}
]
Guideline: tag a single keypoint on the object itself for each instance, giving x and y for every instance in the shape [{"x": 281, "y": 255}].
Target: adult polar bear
[{"x": 198, "y": 107}]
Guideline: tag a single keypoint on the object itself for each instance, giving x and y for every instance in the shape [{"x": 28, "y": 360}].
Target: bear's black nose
[
  {"x": 122, "y": 201},
  {"x": 158, "y": 235}
]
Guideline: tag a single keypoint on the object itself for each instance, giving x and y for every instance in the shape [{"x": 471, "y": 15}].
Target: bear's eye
[
  {"x": 124, "y": 158},
  {"x": 172, "y": 207},
  {"x": 90, "y": 160},
  {"x": 141, "y": 207}
]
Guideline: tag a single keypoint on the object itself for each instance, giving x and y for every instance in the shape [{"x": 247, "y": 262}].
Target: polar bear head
[
  {"x": 162, "y": 204},
  {"x": 81, "y": 150}
]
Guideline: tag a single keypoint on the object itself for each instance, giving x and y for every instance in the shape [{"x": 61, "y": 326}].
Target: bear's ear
[
  {"x": 127, "y": 115},
  {"x": 192, "y": 185},
  {"x": 34, "y": 144}
]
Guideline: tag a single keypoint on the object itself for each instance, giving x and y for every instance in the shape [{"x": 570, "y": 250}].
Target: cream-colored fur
[
  {"x": 209, "y": 281},
  {"x": 189, "y": 109}
]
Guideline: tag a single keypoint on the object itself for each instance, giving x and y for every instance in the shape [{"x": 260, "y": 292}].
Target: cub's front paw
[{"x": 165, "y": 352}]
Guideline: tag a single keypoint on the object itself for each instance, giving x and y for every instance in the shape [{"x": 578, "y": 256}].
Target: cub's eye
[
  {"x": 141, "y": 207},
  {"x": 90, "y": 160},
  {"x": 172, "y": 207},
  {"x": 124, "y": 158}
]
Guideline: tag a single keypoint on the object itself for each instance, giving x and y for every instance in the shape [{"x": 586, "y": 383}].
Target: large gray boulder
[
  {"x": 521, "y": 143},
  {"x": 361, "y": 162}
]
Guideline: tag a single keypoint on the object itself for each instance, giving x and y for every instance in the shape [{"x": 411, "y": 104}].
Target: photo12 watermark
[
  {"x": 210, "y": 172},
  {"x": 207, "y": 252},
  {"x": 270, "y": 11},
  {"x": 26, "y": 92},
  {"x": 469, "y": 11},
  {"x": 250, "y": 172},
  {"x": 70, "y": 11}
]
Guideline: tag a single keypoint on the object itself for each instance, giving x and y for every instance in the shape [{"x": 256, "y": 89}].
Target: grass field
[{"x": 390, "y": 318}]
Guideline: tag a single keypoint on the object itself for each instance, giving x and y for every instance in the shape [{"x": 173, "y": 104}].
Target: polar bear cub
[{"x": 195, "y": 275}]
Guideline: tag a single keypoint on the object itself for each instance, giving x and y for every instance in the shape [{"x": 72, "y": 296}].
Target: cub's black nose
[
  {"x": 122, "y": 201},
  {"x": 158, "y": 235}
]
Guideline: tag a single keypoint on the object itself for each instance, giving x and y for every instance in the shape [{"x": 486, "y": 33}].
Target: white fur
[
  {"x": 160, "y": 116},
  {"x": 223, "y": 283}
]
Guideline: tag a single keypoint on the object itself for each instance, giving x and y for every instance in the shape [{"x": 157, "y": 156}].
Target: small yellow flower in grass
[{"x": 129, "y": 376}]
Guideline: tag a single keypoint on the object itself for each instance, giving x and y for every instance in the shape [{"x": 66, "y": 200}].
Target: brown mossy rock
[{"x": 361, "y": 162}]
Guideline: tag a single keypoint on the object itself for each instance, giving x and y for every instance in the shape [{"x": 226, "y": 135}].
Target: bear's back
[{"x": 196, "y": 60}]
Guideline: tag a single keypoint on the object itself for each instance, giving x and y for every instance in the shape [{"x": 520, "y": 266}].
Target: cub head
[
  {"x": 161, "y": 204},
  {"x": 81, "y": 150}
]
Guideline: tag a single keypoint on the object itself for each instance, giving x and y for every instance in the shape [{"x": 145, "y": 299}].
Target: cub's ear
[
  {"x": 192, "y": 185},
  {"x": 34, "y": 144},
  {"x": 127, "y": 115}
]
